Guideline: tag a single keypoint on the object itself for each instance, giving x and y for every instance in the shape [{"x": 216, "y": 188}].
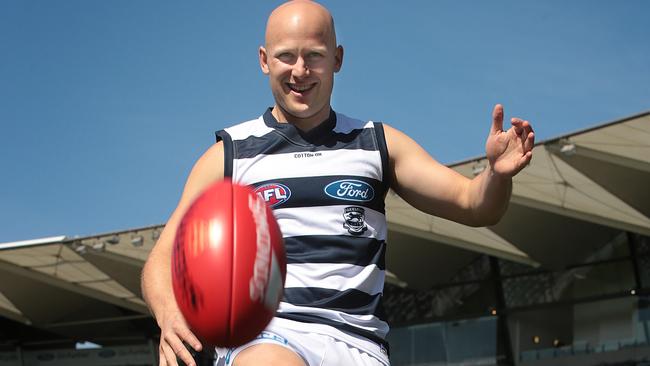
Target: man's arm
[
  {"x": 435, "y": 189},
  {"x": 156, "y": 274}
]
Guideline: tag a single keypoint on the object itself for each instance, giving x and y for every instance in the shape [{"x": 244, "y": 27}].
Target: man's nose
[{"x": 300, "y": 68}]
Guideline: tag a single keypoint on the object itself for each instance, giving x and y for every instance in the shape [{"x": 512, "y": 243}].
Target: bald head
[
  {"x": 300, "y": 16},
  {"x": 300, "y": 56}
]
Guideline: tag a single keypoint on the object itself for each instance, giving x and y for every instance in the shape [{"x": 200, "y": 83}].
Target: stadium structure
[{"x": 562, "y": 279}]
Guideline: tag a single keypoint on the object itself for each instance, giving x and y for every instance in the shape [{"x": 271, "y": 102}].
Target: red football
[{"x": 228, "y": 265}]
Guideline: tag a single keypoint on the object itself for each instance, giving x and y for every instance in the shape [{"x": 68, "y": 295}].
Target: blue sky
[{"x": 105, "y": 105}]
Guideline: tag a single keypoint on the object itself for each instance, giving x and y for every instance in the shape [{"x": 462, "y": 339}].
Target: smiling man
[
  {"x": 300, "y": 57},
  {"x": 326, "y": 176}
]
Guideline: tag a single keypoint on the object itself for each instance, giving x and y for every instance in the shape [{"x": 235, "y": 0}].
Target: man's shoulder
[
  {"x": 345, "y": 124},
  {"x": 242, "y": 130}
]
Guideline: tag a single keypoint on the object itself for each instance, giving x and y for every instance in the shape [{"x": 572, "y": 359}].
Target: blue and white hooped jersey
[{"x": 327, "y": 189}]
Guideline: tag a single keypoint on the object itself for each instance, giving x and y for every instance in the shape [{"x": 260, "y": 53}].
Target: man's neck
[{"x": 304, "y": 124}]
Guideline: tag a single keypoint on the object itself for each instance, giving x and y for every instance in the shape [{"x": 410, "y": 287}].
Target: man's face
[{"x": 300, "y": 59}]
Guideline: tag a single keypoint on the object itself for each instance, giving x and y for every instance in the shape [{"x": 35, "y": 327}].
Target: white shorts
[{"x": 316, "y": 344}]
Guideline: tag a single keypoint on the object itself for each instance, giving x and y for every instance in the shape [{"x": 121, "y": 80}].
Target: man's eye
[{"x": 285, "y": 56}]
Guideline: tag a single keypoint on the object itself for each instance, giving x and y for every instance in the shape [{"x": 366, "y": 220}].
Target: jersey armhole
[
  {"x": 228, "y": 154},
  {"x": 383, "y": 152}
]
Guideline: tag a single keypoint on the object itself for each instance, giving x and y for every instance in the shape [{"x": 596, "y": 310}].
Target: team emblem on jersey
[
  {"x": 355, "y": 220},
  {"x": 350, "y": 190},
  {"x": 274, "y": 194}
]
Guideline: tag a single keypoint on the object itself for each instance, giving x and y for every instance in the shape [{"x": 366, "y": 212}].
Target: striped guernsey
[{"x": 327, "y": 189}]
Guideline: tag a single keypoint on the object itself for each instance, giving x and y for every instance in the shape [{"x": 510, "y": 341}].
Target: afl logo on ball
[
  {"x": 274, "y": 194},
  {"x": 266, "y": 283}
]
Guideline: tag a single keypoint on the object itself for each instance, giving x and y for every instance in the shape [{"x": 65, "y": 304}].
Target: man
[{"x": 334, "y": 226}]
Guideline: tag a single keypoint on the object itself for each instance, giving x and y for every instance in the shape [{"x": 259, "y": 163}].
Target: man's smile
[{"x": 300, "y": 88}]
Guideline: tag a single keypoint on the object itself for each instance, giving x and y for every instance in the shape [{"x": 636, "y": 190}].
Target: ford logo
[{"x": 350, "y": 190}]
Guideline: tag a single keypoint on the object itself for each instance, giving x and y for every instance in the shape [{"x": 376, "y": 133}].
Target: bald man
[{"x": 336, "y": 171}]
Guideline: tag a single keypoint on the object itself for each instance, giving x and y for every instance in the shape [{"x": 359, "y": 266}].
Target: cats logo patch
[{"x": 355, "y": 220}]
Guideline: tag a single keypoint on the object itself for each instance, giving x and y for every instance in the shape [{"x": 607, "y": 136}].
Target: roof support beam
[
  {"x": 32, "y": 243},
  {"x": 606, "y": 157},
  {"x": 134, "y": 262},
  {"x": 463, "y": 244},
  {"x": 14, "y": 316},
  {"x": 563, "y": 211},
  {"x": 96, "y": 321}
]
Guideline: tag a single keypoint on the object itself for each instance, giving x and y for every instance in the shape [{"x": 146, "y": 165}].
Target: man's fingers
[
  {"x": 168, "y": 356},
  {"x": 189, "y": 337},
  {"x": 186, "y": 356},
  {"x": 180, "y": 351},
  {"x": 521, "y": 126},
  {"x": 525, "y": 160},
  {"x": 497, "y": 119},
  {"x": 524, "y": 130},
  {"x": 177, "y": 349},
  {"x": 162, "y": 361},
  {"x": 530, "y": 141}
]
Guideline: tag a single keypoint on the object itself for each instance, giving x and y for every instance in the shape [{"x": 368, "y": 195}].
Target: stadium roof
[{"x": 579, "y": 191}]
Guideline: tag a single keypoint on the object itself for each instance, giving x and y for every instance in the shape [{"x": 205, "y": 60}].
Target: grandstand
[{"x": 563, "y": 279}]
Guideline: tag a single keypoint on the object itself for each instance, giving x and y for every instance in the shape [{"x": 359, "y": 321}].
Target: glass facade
[
  {"x": 469, "y": 341},
  {"x": 612, "y": 325},
  {"x": 497, "y": 311}
]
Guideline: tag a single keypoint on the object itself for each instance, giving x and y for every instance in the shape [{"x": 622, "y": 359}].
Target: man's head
[{"x": 300, "y": 56}]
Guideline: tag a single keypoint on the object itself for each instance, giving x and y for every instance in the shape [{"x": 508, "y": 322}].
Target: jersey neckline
[{"x": 316, "y": 133}]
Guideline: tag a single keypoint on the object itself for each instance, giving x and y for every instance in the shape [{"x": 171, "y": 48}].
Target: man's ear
[
  {"x": 264, "y": 65},
  {"x": 339, "y": 58}
]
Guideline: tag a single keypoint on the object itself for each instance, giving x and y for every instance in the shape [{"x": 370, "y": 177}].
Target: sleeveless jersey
[{"x": 327, "y": 189}]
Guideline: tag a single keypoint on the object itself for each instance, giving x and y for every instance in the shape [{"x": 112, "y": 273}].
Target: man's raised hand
[{"x": 509, "y": 151}]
